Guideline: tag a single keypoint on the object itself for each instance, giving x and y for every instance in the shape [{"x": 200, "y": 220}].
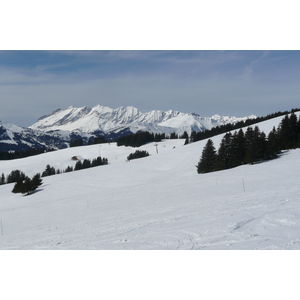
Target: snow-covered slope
[
  {"x": 157, "y": 202},
  {"x": 105, "y": 119}
]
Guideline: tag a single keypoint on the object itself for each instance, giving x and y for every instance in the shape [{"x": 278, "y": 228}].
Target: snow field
[{"x": 158, "y": 202}]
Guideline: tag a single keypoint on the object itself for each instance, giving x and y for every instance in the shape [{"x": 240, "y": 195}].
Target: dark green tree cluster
[
  {"x": 288, "y": 132},
  {"x": 86, "y": 163},
  {"x": 208, "y": 158},
  {"x": 138, "y": 139},
  {"x": 250, "y": 147},
  {"x": 49, "y": 171},
  {"x": 173, "y": 136},
  {"x": 14, "y": 176},
  {"x": 97, "y": 140},
  {"x": 2, "y": 179},
  {"x": 27, "y": 186},
  {"x": 186, "y": 137},
  {"x": 7, "y": 155},
  {"x": 76, "y": 143},
  {"x": 18, "y": 176},
  {"x": 137, "y": 154}
]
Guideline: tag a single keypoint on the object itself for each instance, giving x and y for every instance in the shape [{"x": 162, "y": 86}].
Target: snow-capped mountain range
[
  {"x": 106, "y": 120},
  {"x": 57, "y": 129}
]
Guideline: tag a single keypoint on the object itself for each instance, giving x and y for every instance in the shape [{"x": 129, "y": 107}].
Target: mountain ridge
[
  {"x": 105, "y": 119},
  {"x": 57, "y": 129}
]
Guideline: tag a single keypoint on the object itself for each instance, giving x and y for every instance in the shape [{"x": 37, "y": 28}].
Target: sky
[{"x": 207, "y": 82}]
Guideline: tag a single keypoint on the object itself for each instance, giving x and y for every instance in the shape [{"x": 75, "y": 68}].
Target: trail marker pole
[
  {"x": 156, "y": 148},
  {"x": 243, "y": 184}
]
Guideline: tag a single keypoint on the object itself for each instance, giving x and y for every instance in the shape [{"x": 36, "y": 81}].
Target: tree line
[
  {"x": 208, "y": 133},
  {"x": 8, "y": 155},
  {"x": 92, "y": 141},
  {"x": 144, "y": 137},
  {"x": 138, "y": 139},
  {"x": 17, "y": 175},
  {"x": 250, "y": 147},
  {"x": 85, "y": 164},
  {"x": 23, "y": 184}
]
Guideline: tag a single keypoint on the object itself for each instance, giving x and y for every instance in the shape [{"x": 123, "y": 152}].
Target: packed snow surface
[{"x": 157, "y": 202}]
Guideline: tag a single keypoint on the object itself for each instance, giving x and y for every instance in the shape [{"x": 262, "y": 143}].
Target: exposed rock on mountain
[{"x": 106, "y": 120}]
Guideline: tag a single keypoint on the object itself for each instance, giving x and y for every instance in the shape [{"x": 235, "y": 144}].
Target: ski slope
[{"x": 157, "y": 202}]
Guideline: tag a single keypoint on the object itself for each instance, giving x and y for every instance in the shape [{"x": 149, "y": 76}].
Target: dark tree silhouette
[{"x": 208, "y": 158}]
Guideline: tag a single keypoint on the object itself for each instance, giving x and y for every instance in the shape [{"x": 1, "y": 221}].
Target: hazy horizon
[{"x": 229, "y": 83}]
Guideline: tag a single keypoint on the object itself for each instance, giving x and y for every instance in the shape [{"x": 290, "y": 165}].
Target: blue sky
[{"x": 236, "y": 83}]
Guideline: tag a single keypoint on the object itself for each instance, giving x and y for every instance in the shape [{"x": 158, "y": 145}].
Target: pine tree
[
  {"x": 193, "y": 136},
  {"x": 283, "y": 133},
  {"x": 208, "y": 158},
  {"x": 2, "y": 179},
  {"x": 86, "y": 164},
  {"x": 17, "y": 187},
  {"x": 293, "y": 134},
  {"x": 186, "y": 137},
  {"x": 238, "y": 148},
  {"x": 224, "y": 156},
  {"x": 78, "y": 166},
  {"x": 15, "y": 175},
  {"x": 173, "y": 136},
  {"x": 272, "y": 147},
  {"x": 36, "y": 181},
  {"x": 49, "y": 171},
  {"x": 26, "y": 186},
  {"x": 69, "y": 169}
]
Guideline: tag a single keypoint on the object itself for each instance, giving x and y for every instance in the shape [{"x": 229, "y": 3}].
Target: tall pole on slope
[{"x": 156, "y": 148}]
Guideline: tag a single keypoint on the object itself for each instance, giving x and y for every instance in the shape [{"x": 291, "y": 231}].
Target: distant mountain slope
[
  {"x": 57, "y": 129},
  {"x": 13, "y": 137},
  {"x": 107, "y": 120}
]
